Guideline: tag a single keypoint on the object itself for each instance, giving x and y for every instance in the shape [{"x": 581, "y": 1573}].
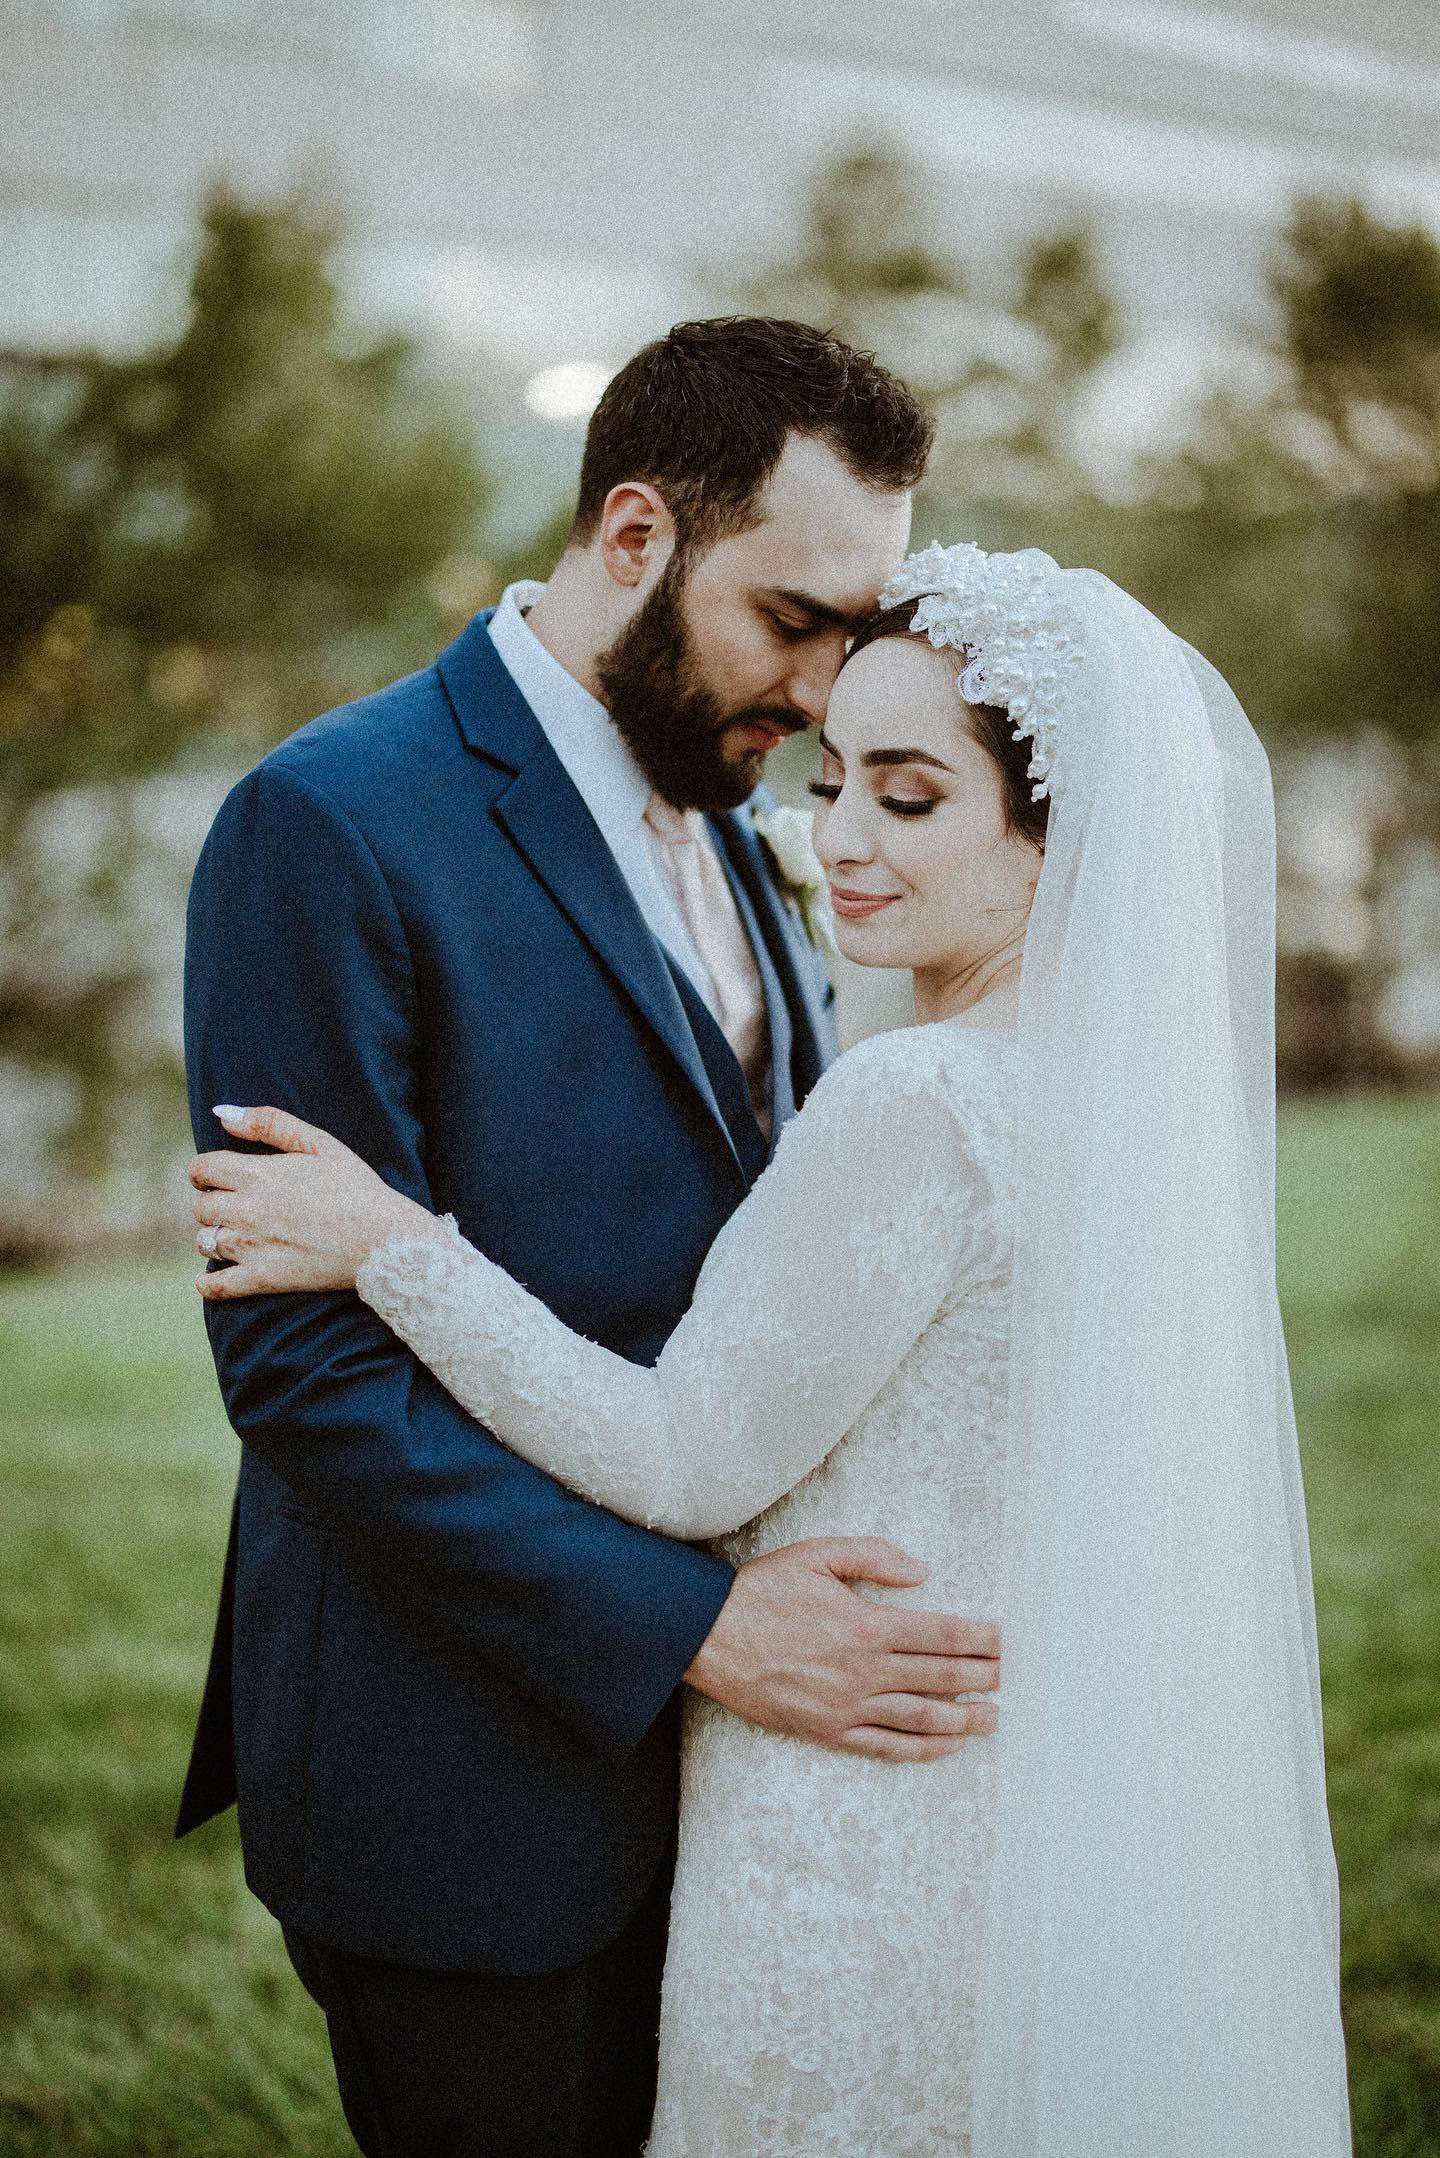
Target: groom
[{"x": 476, "y": 925}]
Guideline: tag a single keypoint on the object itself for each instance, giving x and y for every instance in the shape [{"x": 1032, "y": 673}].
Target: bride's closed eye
[{"x": 831, "y": 793}]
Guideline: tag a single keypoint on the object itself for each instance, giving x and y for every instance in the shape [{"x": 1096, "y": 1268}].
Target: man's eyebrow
[
  {"x": 820, "y": 611},
  {"x": 881, "y": 759}
]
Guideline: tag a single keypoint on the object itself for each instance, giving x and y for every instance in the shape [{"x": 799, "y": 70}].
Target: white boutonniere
[{"x": 787, "y": 836}]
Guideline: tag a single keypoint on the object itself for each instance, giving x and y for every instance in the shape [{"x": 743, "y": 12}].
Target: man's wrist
[{"x": 707, "y": 1669}]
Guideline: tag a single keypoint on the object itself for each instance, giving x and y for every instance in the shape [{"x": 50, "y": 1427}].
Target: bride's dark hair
[{"x": 989, "y": 723}]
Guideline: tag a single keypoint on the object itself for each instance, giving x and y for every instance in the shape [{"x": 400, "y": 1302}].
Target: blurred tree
[
  {"x": 1062, "y": 294},
  {"x": 1004, "y": 361},
  {"x": 200, "y": 547},
  {"x": 256, "y": 506},
  {"x": 538, "y": 552},
  {"x": 864, "y": 234},
  {"x": 867, "y": 266},
  {"x": 1297, "y": 536},
  {"x": 1226, "y": 540},
  {"x": 1296, "y": 540},
  {"x": 1361, "y": 304}
]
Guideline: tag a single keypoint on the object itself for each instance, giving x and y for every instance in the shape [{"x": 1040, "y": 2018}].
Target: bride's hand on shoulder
[{"x": 302, "y": 1217}]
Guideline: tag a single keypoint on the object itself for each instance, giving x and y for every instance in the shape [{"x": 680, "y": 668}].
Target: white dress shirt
[{"x": 603, "y": 767}]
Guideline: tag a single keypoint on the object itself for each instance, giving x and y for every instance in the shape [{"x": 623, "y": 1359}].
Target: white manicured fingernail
[{"x": 229, "y": 1114}]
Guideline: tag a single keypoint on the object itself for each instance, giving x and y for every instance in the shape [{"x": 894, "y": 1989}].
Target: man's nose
[
  {"x": 809, "y": 686},
  {"x": 807, "y": 699}
]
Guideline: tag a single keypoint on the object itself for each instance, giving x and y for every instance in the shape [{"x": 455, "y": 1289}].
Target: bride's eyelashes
[{"x": 830, "y": 793}]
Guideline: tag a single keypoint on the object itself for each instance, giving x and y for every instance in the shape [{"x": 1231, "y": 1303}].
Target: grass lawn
[{"x": 145, "y": 2001}]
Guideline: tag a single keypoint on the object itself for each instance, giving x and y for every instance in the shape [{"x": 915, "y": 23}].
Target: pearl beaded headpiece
[{"x": 1022, "y": 635}]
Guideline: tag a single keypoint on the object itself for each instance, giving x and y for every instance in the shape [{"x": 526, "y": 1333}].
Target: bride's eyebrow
[
  {"x": 883, "y": 758},
  {"x": 873, "y": 757}
]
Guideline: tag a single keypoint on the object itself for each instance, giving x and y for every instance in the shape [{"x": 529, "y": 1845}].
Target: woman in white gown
[{"x": 1006, "y": 1295}]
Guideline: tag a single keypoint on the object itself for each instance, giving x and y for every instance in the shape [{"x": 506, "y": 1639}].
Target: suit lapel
[
  {"x": 731, "y": 1090},
  {"x": 785, "y": 942},
  {"x": 546, "y": 818},
  {"x": 543, "y": 813},
  {"x": 782, "y": 1031}
]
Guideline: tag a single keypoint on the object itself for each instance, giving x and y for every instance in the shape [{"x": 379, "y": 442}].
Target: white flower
[{"x": 789, "y": 836}]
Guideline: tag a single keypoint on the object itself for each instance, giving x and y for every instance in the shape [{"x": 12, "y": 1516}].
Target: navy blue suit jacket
[{"x": 443, "y": 1688}]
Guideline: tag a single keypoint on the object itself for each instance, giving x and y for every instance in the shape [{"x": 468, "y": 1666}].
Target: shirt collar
[{"x": 580, "y": 730}]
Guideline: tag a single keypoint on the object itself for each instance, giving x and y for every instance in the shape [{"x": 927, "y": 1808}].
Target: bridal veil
[{"x": 1160, "y": 1975}]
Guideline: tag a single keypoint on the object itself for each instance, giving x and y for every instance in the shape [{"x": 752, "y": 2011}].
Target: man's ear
[{"x": 637, "y": 533}]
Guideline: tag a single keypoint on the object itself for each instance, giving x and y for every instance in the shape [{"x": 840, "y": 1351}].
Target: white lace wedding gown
[{"x": 841, "y": 1372}]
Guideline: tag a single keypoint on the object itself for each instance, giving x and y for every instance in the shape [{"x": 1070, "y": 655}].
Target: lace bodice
[{"x": 841, "y": 1371}]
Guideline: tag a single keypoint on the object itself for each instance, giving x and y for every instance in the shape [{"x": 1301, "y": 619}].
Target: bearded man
[{"x": 508, "y": 929}]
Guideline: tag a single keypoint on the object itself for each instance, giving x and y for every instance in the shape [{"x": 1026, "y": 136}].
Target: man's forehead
[
  {"x": 824, "y": 532},
  {"x": 812, "y": 484}
]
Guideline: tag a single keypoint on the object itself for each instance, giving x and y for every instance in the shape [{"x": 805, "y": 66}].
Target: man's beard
[{"x": 673, "y": 723}]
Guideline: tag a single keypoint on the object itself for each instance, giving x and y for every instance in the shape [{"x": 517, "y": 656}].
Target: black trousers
[{"x": 439, "y": 2064}]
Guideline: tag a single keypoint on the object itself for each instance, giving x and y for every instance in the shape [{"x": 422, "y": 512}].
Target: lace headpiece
[{"x": 1023, "y": 637}]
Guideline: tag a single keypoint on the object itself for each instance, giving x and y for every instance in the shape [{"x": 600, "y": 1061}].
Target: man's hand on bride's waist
[{"x": 795, "y": 1649}]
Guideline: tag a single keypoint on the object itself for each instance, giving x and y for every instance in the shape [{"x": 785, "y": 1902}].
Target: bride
[{"x": 1006, "y": 1294}]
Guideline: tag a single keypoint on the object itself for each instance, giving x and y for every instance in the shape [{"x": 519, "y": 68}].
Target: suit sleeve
[{"x": 300, "y": 991}]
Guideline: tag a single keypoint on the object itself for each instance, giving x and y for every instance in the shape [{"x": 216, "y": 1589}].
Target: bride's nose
[{"x": 842, "y": 833}]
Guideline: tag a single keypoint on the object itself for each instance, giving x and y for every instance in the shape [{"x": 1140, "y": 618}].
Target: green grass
[
  {"x": 1360, "y": 1274},
  {"x": 145, "y": 2002}
]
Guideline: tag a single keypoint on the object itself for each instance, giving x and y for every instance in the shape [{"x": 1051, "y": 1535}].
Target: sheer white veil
[{"x": 1160, "y": 1975}]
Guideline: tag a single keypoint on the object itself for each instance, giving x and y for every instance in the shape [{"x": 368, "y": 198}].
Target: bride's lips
[{"x": 853, "y": 905}]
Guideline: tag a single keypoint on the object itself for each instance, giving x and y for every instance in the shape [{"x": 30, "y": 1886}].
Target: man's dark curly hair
[{"x": 703, "y": 415}]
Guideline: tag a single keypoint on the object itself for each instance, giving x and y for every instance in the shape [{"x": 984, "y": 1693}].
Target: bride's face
[{"x": 910, "y": 817}]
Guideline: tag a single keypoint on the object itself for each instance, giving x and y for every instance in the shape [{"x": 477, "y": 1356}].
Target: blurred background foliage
[
  {"x": 202, "y": 547},
  {"x": 208, "y": 542}
]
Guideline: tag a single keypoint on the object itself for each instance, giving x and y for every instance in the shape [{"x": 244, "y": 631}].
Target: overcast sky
[{"x": 540, "y": 181}]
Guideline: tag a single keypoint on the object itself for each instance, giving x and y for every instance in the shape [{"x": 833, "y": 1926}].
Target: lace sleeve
[{"x": 816, "y": 1288}]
